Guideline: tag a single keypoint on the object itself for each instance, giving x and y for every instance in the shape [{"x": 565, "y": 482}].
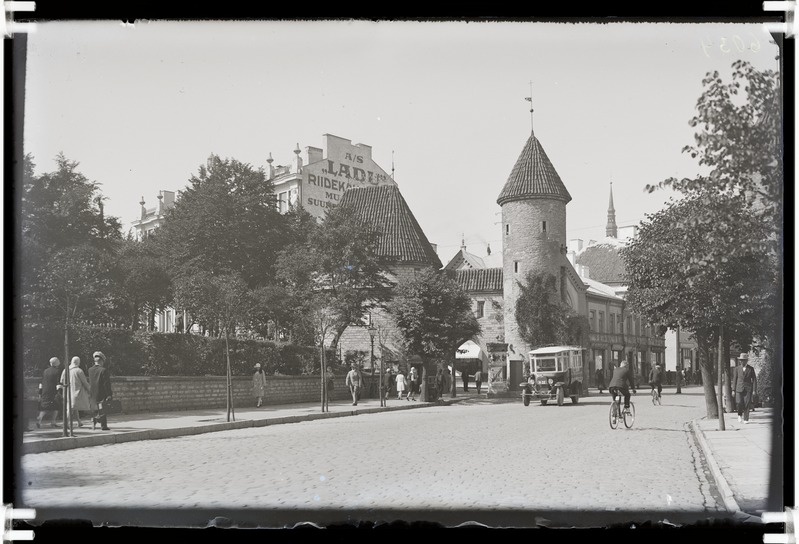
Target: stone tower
[
  {"x": 611, "y": 230},
  {"x": 533, "y": 203}
]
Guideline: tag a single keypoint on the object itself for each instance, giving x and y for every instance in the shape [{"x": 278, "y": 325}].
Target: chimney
[
  {"x": 314, "y": 154},
  {"x": 297, "y": 160},
  {"x": 575, "y": 245},
  {"x": 169, "y": 199}
]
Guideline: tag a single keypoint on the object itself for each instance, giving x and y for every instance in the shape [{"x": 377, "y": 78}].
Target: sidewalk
[
  {"x": 150, "y": 426},
  {"x": 739, "y": 458}
]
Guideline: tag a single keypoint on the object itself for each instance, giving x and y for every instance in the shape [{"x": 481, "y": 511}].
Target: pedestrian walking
[
  {"x": 465, "y": 378},
  {"x": 478, "y": 380},
  {"x": 258, "y": 385},
  {"x": 401, "y": 385},
  {"x": 354, "y": 381},
  {"x": 49, "y": 393},
  {"x": 600, "y": 379},
  {"x": 439, "y": 382},
  {"x": 744, "y": 383},
  {"x": 78, "y": 390},
  {"x": 99, "y": 391},
  {"x": 448, "y": 379},
  {"x": 331, "y": 382},
  {"x": 414, "y": 383}
]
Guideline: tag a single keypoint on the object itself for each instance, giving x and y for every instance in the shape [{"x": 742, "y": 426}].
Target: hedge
[{"x": 142, "y": 353}]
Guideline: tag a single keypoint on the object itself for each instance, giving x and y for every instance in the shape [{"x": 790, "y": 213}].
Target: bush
[{"x": 142, "y": 353}]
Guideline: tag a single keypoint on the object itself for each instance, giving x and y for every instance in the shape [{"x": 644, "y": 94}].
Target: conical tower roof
[
  {"x": 402, "y": 240},
  {"x": 533, "y": 176}
]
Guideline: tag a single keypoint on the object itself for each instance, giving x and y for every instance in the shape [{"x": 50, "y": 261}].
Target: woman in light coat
[
  {"x": 400, "y": 385},
  {"x": 258, "y": 384},
  {"x": 78, "y": 389}
]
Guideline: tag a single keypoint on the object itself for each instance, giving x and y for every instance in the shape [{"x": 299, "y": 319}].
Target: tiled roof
[
  {"x": 604, "y": 263},
  {"x": 533, "y": 176},
  {"x": 479, "y": 279},
  {"x": 462, "y": 258},
  {"x": 402, "y": 239},
  {"x": 597, "y": 288}
]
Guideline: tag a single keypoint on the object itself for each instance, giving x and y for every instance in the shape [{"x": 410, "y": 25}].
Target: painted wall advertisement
[{"x": 346, "y": 165}]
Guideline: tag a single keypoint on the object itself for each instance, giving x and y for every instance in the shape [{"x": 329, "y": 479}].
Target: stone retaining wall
[{"x": 166, "y": 393}]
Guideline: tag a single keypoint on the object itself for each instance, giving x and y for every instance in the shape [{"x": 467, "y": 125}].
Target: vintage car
[{"x": 554, "y": 372}]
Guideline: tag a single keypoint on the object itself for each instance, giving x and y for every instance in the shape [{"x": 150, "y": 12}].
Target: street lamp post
[{"x": 372, "y": 332}]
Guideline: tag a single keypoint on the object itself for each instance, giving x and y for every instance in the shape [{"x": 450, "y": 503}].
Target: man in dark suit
[
  {"x": 744, "y": 383},
  {"x": 100, "y": 384}
]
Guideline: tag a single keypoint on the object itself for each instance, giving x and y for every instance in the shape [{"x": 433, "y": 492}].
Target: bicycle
[
  {"x": 655, "y": 396},
  {"x": 617, "y": 412}
]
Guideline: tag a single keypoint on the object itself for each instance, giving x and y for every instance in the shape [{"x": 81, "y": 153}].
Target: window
[
  {"x": 612, "y": 322},
  {"x": 282, "y": 202},
  {"x": 621, "y": 324},
  {"x": 592, "y": 320},
  {"x": 481, "y": 306},
  {"x": 507, "y": 229},
  {"x": 293, "y": 196},
  {"x": 516, "y": 266},
  {"x": 638, "y": 327},
  {"x": 543, "y": 226},
  {"x": 601, "y": 321},
  {"x": 629, "y": 324}
]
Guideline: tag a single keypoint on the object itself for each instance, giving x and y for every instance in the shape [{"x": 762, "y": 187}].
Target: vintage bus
[{"x": 554, "y": 372}]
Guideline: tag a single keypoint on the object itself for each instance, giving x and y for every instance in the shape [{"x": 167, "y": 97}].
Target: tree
[
  {"x": 76, "y": 284},
  {"x": 671, "y": 281},
  {"x": 739, "y": 147},
  {"x": 143, "y": 284},
  {"x": 225, "y": 221},
  {"x": 332, "y": 276},
  {"x": 542, "y": 319},
  {"x": 60, "y": 209},
  {"x": 434, "y": 315}
]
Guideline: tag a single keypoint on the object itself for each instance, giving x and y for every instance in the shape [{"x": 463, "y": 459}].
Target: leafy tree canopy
[
  {"x": 672, "y": 281},
  {"x": 543, "y": 319},
  {"x": 225, "y": 222},
  {"x": 434, "y": 314}
]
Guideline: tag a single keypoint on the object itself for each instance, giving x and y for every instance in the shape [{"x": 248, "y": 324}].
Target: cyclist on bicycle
[
  {"x": 656, "y": 378},
  {"x": 618, "y": 383}
]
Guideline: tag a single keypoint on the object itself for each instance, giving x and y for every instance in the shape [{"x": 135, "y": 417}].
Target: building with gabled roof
[{"x": 402, "y": 240}]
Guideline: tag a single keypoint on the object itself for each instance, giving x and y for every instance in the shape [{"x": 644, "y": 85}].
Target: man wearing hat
[
  {"x": 100, "y": 385},
  {"x": 744, "y": 383}
]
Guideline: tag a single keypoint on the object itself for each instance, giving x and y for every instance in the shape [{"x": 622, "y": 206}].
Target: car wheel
[
  {"x": 543, "y": 402},
  {"x": 574, "y": 399},
  {"x": 560, "y": 396},
  {"x": 526, "y": 398}
]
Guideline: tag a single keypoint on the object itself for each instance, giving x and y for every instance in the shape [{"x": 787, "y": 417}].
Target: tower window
[
  {"x": 507, "y": 229},
  {"x": 481, "y": 305},
  {"x": 516, "y": 266},
  {"x": 543, "y": 226}
]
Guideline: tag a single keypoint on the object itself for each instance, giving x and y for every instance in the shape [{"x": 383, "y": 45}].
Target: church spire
[{"x": 611, "y": 229}]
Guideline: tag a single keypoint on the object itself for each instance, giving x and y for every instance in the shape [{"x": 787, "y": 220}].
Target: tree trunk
[
  {"x": 453, "y": 387},
  {"x": 230, "y": 410},
  {"x": 423, "y": 390},
  {"x": 323, "y": 374},
  {"x": 721, "y": 377},
  {"x": 730, "y": 405},
  {"x": 67, "y": 414},
  {"x": 711, "y": 407}
]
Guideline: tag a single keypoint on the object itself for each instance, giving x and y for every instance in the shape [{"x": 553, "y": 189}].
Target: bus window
[{"x": 545, "y": 365}]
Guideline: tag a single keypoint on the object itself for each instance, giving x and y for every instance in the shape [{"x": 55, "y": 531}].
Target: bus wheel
[
  {"x": 543, "y": 402},
  {"x": 574, "y": 399},
  {"x": 560, "y": 396},
  {"x": 526, "y": 398}
]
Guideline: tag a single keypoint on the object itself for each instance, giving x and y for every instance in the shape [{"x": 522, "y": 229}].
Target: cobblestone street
[{"x": 479, "y": 454}]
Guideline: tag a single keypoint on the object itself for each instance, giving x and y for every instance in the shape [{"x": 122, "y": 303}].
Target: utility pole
[{"x": 720, "y": 380}]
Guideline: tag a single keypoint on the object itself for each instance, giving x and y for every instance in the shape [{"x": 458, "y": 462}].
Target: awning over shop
[{"x": 468, "y": 350}]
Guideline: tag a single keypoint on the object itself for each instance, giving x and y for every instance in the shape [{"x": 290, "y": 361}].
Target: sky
[{"x": 142, "y": 106}]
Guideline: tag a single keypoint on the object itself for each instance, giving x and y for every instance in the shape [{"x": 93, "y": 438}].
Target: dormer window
[{"x": 543, "y": 226}]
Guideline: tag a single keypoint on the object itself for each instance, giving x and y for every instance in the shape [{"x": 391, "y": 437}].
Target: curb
[
  {"x": 69, "y": 443},
  {"x": 724, "y": 488}
]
